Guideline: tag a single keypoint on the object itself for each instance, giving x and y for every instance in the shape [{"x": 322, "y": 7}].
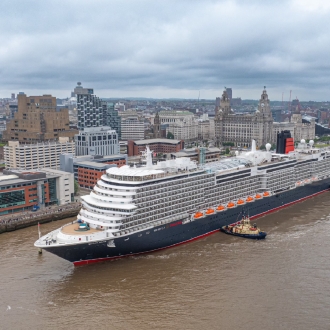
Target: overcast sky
[{"x": 164, "y": 49}]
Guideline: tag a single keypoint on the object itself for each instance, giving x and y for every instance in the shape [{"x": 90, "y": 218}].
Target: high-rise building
[
  {"x": 230, "y": 94},
  {"x": 111, "y": 117},
  {"x": 89, "y": 108},
  {"x": 95, "y": 136},
  {"x": 37, "y": 120}
]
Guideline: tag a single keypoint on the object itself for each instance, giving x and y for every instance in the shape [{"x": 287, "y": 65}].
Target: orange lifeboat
[
  {"x": 258, "y": 196},
  {"x": 266, "y": 194},
  {"x": 209, "y": 211},
  {"x": 198, "y": 215},
  {"x": 220, "y": 208},
  {"x": 240, "y": 202},
  {"x": 230, "y": 205},
  {"x": 249, "y": 199}
]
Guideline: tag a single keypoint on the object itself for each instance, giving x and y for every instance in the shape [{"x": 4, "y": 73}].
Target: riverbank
[{"x": 26, "y": 219}]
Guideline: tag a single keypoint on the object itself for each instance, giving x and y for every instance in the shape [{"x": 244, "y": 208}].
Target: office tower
[{"x": 230, "y": 93}]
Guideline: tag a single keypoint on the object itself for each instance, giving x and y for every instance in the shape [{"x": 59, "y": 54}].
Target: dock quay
[{"x": 15, "y": 221}]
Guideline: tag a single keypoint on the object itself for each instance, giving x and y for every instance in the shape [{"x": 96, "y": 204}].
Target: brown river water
[{"x": 218, "y": 282}]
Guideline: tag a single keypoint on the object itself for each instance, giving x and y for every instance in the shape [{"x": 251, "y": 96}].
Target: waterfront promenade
[{"x": 10, "y": 222}]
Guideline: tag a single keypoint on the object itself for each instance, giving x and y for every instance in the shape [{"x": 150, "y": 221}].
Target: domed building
[{"x": 242, "y": 128}]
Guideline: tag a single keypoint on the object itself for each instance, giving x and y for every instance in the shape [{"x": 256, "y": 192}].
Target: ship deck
[{"x": 72, "y": 229}]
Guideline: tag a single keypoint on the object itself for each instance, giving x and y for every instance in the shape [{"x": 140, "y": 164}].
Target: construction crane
[{"x": 289, "y": 105}]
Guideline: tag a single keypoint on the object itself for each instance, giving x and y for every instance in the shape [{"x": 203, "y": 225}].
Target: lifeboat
[
  {"x": 258, "y": 196},
  {"x": 198, "y": 215},
  {"x": 249, "y": 199},
  {"x": 230, "y": 205},
  {"x": 209, "y": 211},
  {"x": 266, "y": 194},
  {"x": 240, "y": 202},
  {"x": 220, "y": 208}
]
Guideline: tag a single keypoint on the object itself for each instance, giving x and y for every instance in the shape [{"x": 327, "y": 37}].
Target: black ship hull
[{"x": 182, "y": 231}]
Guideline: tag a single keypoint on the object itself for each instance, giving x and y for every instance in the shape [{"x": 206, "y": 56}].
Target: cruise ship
[{"x": 134, "y": 210}]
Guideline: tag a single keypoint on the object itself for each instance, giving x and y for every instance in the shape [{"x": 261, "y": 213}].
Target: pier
[{"x": 15, "y": 221}]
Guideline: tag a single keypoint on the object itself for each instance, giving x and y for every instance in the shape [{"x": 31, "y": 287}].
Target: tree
[
  {"x": 229, "y": 144},
  {"x": 170, "y": 135},
  {"x": 262, "y": 147},
  {"x": 273, "y": 146},
  {"x": 227, "y": 151},
  {"x": 76, "y": 187}
]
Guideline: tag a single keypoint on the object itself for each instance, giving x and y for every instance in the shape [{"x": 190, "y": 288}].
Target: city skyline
[{"x": 166, "y": 50}]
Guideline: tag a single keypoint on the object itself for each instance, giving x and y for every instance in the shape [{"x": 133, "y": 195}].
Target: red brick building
[
  {"x": 87, "y": 173},
  {"x": 164, "y": 146}
]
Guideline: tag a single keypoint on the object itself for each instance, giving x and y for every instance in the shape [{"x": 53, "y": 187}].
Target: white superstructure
[{"x": 131, "y": 199}]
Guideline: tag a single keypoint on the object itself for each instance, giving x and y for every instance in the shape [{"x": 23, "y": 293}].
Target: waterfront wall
[{"x": 17, "y": 221}]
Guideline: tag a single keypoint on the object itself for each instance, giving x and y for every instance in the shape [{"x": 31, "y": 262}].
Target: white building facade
[
  {"x": 64, "y": 185},
  {"x": 36, "y": 156},
  {"x": 132, "y": 129},
  {"x": 297, "y": 128},
  {"x": 97, "y": 141},
  {"x": 182, "y": 124}
]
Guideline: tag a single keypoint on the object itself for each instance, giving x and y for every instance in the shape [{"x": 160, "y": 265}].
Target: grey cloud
[{"x": 147, "y": 46}]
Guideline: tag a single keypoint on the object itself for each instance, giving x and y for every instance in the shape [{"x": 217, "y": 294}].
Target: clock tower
[
  {"x": 264, "y": 106},
  {"x": 263, "y": 122}
]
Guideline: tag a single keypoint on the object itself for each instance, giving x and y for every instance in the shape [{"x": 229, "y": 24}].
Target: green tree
[
  {"x": 262, "y": 147},
  {"x": 227, "y": 151},
  {"x": 170, "y": 135},
  {"x": 76, "y": 187}
]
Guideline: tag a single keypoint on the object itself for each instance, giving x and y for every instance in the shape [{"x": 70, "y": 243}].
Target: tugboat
[{"x": 244, "y": 229}]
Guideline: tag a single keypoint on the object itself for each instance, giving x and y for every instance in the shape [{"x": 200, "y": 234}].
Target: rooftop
[
  {"x": 150, "y": 141},
  {"x": 89, "y": 164}
]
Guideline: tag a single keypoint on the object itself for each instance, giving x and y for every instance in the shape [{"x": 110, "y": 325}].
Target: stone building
[
  {"x": 181, "y": 124},
  {"x": 206, "y": 128},
  {"x": 240, "y": 129},
  {"x": 297, "y": 128}
]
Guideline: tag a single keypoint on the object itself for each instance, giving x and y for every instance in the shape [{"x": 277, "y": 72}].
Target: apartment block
[{"x": 36, "y": 156}]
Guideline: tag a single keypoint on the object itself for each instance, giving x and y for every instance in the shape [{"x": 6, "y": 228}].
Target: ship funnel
[
  {"x": 147, "y": 154},
  {"x": 253, "y": 147}
]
